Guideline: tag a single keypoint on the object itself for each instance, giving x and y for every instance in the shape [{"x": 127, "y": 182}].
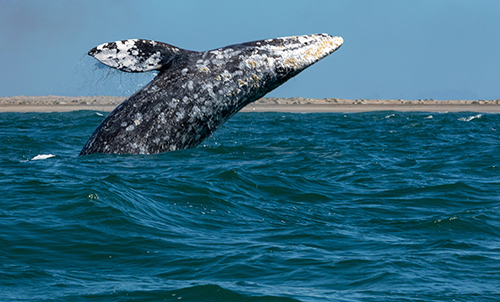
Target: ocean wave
[{"x": 273, "y": 206}]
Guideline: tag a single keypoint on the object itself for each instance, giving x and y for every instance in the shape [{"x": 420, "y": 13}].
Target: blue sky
[{"x": 441, "y": 49}]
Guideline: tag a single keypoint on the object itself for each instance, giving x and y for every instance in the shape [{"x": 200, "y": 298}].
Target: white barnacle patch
[
  {"x": 207, "y": 108},
  {"x": 226, "y": 76},
  {"x": 180, "y": 115},
  {"x": 184, "y": 71},
  {"x": 196, "y": 112},
  {"x": 173, "y": 103},
  {"x": 138, "y": 118},
  {"x": 256, "y": 80},
  {"x": 292, "y": 62},
  {"x": 255, "y": 61},
  {"x": 209, "y": 88},
  {"x": 252, "y": 63},
  {"x": 235, "y": 92},
  {"x": 216, "y": 52},
  {"x": 203, "y": 65},
  {"x": 153, "y": 88},
  {"x": 190, "y": 85},
  {"x": 162, "y": 118},
  {"x": 221, "y": 57},
  {"x": 130, "y": 128},
  {"x": 242, "y": 83},
  {"x": 124, "y": 124}
]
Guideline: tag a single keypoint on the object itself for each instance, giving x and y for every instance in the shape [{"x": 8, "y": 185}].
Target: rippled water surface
[{"x": 384, "y": 206}]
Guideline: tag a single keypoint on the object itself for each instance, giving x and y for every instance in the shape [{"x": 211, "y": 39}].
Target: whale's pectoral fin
[{"x": 136, "y": 55}]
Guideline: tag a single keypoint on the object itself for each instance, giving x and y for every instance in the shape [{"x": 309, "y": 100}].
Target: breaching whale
[{"x": 195, "y": 92}]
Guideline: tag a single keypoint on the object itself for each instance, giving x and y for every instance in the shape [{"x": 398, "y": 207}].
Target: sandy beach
[{"x": 108, "y": 103}]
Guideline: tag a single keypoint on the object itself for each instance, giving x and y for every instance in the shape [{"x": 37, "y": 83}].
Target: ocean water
[{"x": 377, "y": 206}]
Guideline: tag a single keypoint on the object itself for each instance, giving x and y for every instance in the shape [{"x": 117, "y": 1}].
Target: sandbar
[{"x": 51, "y": 103}]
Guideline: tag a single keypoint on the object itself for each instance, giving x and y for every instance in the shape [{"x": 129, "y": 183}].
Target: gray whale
[{"x": 195, "y": 92}]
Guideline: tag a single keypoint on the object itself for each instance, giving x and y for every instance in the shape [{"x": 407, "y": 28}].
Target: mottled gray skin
[{"x": 195, "y": 92}]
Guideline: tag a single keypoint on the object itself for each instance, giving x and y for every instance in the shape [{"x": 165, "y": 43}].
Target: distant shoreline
[{"x": 108, "y": 103}]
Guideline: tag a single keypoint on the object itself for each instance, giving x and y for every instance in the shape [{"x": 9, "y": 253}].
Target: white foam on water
[
  {"x": 470, "y": 118},
  {"x": 43, "y": 156}
]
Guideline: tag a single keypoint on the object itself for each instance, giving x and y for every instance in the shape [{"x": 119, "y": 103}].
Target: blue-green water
[{"x": 385, "y": 206}]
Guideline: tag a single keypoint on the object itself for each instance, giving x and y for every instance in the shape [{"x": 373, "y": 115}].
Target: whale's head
[
  {"x": 296, "y": 53},
  {"x": 283, "y": 58}
]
